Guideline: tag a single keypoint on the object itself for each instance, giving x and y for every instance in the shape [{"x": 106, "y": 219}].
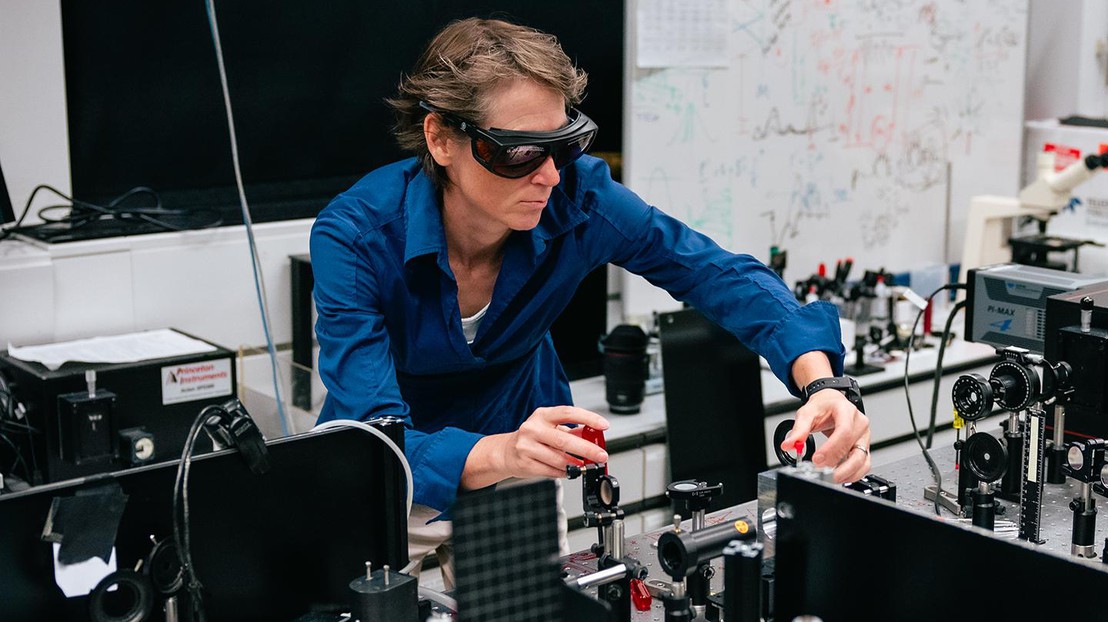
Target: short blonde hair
[{"x": 465, "y": 62}]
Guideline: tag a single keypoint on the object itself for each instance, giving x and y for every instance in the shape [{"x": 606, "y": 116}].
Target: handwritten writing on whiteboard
[{"x": 836, "y": 128}]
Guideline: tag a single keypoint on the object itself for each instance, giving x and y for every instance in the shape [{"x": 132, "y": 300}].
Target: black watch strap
[{"x": 847, "y": 385}]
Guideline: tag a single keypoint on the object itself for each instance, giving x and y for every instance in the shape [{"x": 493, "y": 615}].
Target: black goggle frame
[{"x": 564, "y": 144}]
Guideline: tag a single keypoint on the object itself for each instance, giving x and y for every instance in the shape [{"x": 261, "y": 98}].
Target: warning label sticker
[{"x": 196, "y": 381}]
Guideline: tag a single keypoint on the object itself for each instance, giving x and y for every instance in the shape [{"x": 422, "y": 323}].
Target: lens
[
  {"x": 518, "y": 161},
  {"x": 607, "y": 493},
  {"x": 484, "y": 150},
  {"x": 512, "y": 162},
  {"x": 1075, "y": 458},
  {"x": 569, "y": 152},
  {"x": 520, "y": 155},
  {"x": 626, "y": 367},
  {"x": 566, "y": 154}
]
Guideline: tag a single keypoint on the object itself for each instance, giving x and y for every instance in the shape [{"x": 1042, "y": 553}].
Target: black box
[
  {"x": 1086, "y": 353},
  {"x": 156, "y": 398}
]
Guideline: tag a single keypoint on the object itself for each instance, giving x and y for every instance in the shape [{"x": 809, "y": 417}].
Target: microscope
[{"x": 987, "y": 227}]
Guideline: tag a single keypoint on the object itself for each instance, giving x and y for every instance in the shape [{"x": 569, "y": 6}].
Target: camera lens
[{"x": 626, "y": 366}]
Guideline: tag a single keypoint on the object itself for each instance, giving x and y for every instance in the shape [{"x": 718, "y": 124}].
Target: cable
[
  {"x": 8, "y": 420},
  {"x": 436, "y": 596},
  {"x": 255, "y": 260},
  {"x": 908, "y": 396},
  {"x": 82, "y": 213},
  {"x": 229, "y": 426},
  {"x": 365, "y": 427},
  {"x": 18, "y": 458},
  {"x": 938, "y": 375},
  {"x": 182, "y": 536}
]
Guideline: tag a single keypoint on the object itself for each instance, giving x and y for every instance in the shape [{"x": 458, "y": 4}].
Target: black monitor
[
  {"x": 307, "y": 83},
  {"x": 266, "y": 547},
  {"x": 841, "y": 555},
  {"x": 714, "y": 410}
]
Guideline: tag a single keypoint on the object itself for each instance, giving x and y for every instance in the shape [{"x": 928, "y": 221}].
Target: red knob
[
  {"x": 596, "y": 437},
  {"x": 640, "y": 596}
]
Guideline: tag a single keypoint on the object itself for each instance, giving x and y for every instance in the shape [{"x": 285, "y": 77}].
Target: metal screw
[{"x": 785, "y": 510}]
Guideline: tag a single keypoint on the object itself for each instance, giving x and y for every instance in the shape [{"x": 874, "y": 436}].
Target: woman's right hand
[{"x": 542, "y": 447}]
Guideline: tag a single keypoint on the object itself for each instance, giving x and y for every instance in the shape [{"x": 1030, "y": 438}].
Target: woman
[{"x": 438, "y": 277}]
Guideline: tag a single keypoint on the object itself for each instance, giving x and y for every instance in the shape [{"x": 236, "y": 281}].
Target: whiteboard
[{"x": 831, "y": 129}]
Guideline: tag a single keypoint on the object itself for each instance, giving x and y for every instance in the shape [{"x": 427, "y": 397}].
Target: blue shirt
[{"x": 389, "y": 326}]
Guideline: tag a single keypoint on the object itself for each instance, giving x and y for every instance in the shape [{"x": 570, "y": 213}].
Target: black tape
[{"x": 85, "y": 524}]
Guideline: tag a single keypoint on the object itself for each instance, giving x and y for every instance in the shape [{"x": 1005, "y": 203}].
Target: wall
[
  {"x": 1063, "y": 76},
  {"x": 198, "y": 281},
  {"x": 33, "y": 136}
]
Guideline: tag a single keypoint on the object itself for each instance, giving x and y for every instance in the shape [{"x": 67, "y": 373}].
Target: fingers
[
  {"x": 568, "y": 443},
  {"x": 536, "y": 468},
  {"x": 545, "y": 437},
  {"x": 850, "y": 427},
  {"x": 549, "y": 462},
  {"x": 857, "y": 462},
  {"x": 831, "y": 412},
  {"x": 802, "y": 427},
  {"x": 546, "y": 426},
  {"x": 560, "y": 415}
]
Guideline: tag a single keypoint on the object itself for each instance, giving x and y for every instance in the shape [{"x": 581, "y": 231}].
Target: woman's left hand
[{"x": 847, "y": 430}]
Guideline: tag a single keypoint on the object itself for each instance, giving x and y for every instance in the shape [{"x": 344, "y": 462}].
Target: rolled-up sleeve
[{"x": 356, "y": 364}]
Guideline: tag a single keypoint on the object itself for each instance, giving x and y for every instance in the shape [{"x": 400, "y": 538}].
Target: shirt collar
[
  {"x": 425, "y": 233},
  {"x": 562, "y": 213}
]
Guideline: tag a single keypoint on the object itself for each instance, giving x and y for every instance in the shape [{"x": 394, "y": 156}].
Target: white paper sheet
[
  {"x": 682, "y": 33},
  {"x": 127, "y": 348},
  {"x": 81, "y": 578}
]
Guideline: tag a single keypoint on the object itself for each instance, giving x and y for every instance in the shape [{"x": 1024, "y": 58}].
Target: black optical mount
[
  {"x": 600, "y": 501},
  {"x": 600, "y": 505},
  {"x": 1020, "y": 380},
  {"x": 696, "y": 497},
  {"x": 681, "y": 553},
  {"x": 1085, "y": 462},
  {"x": 985, "y": 459}
]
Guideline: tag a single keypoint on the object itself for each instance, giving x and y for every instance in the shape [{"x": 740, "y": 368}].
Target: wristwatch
[{"x": 847, "y": 385}]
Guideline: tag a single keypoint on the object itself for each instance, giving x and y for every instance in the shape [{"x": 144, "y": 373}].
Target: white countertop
[{"x": 588, "y": 393}]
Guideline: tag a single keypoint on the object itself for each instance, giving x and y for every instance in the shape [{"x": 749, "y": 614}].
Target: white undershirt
[{"x": 472, "y": 323}]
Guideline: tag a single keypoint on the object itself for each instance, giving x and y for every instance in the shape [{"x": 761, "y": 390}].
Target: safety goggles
[{"x": 513, "y": 154}]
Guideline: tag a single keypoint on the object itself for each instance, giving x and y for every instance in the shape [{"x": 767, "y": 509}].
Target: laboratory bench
[{"x": 639, "y": 456}]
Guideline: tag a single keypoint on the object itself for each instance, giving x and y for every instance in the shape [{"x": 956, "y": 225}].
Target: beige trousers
[{"x": 425, "y": 537}]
